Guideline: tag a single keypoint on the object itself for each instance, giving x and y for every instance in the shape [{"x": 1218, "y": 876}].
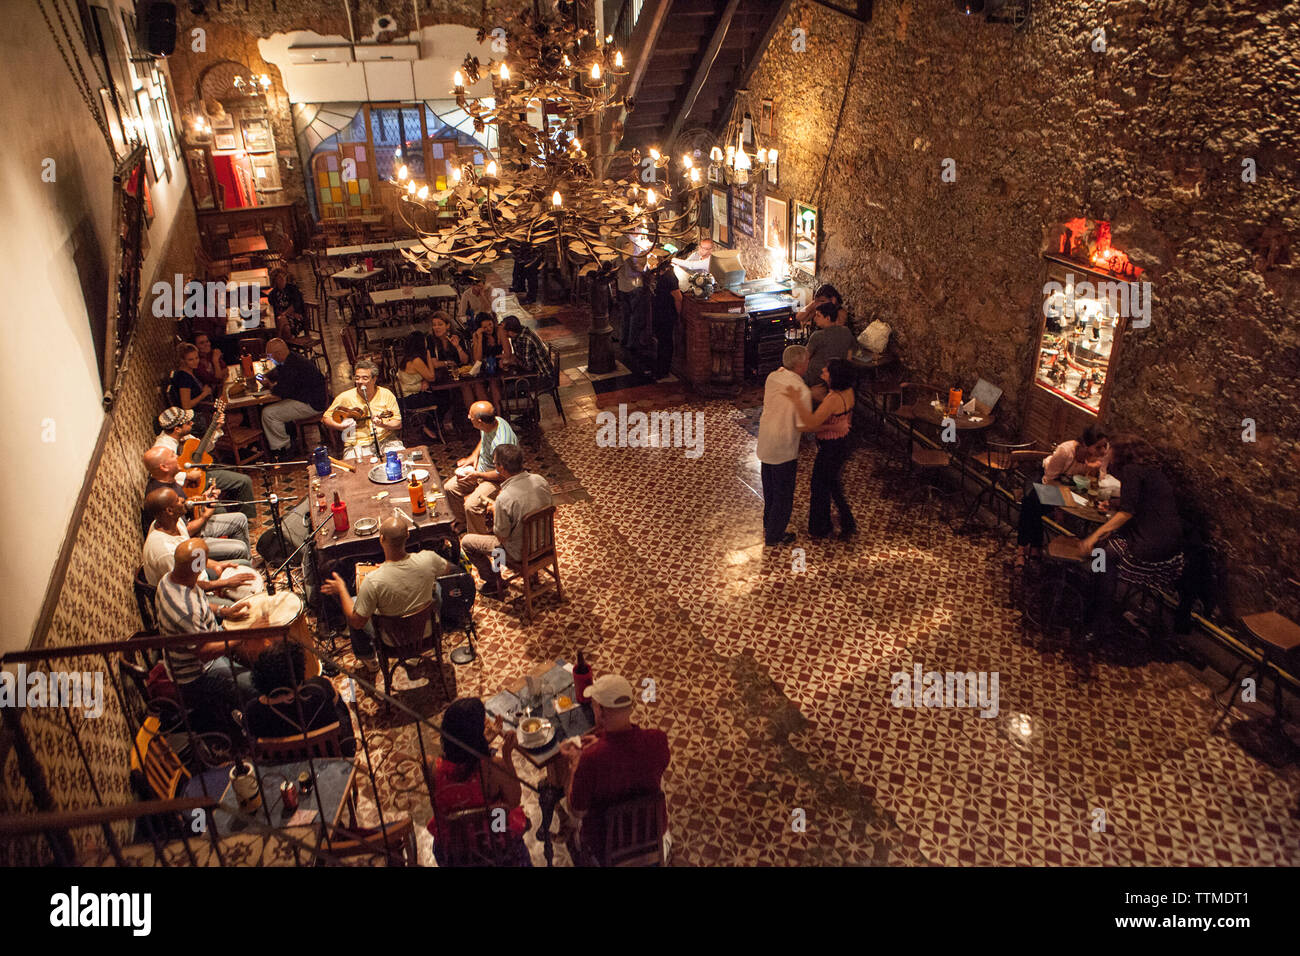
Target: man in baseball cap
[{"x": 618, "y": 762}]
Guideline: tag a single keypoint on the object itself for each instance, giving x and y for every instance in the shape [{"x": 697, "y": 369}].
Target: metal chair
[
  {"x": 998, "y": 463},
  {"x": 405, "y": 638},
  {"x": 539, "y": 555},
  {"x": 394, "y": 840}
]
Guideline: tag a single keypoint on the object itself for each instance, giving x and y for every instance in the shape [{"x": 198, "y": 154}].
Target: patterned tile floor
[{"x": 772, "y": 678}]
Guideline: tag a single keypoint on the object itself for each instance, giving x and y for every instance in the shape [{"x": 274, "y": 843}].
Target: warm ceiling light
[
  {"x": 695, "y": 174},
  {"x": 455, "y": 175},
  {"x": 491, "y": 169},
  {"x": 654, "y": 154},
  {"x": 410, "y": 189},
  {"x": 715, "y": 155},
  {"x": 423, "y": 193},
  {"x": 650, "y": 197},
  {"x": 505, "y": 73},
  {"x": 595, "y": 72},
  {"x": 458, "y": 80},
  {"x": 556, "y": 200},
  {"x": 402, "y": 174},
  {"x": 762, "y": 156},
  {"x": 742, "y": 160},
  {"x": 771, "y": 156},
  {"x": 686, "y": 161},
  {"x": 618, "y": 59}
]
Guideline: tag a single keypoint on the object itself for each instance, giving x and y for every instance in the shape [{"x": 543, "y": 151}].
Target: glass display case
[{"x": 1081, "y": 328}]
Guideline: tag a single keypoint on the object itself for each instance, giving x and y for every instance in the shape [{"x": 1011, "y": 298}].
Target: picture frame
[
  {"x": 222, "y": 122},
  {"x": 765, "y": 118},
  {"x": 776, "y": 223},
  {"x": 747, "y": 131},
  {"x": 225, "y": 140},
  {"x": 773, "y": 170},
  {"x": 266, "y": 172},
  {"x": 157, "y": 154},
  {"x": 720, "y": 204},
  {"x": 714, "y": 173},
  {"x": 257, "y": 134},
  {"x": 804, "y": 232}
]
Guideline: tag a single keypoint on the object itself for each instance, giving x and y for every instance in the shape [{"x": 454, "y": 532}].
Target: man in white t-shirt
[
  {"x": 778, "y": 443},
  {"x": 167, "y": 530},
  {"x": 404, "y": 583},
  {"x": 176, "y": 425}
]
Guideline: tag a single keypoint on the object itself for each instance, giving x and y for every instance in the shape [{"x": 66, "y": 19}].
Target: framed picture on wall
[
  {"x": 720, "y": 204},
  {"x": 161, "y": 165},
  {"x": 257, "y": 134},
  {"x": 776, "y": 223},
  {"x": 266, "y": 172},
  {"x": 225, "y": 139},
  {"x": 804, "y": 230},
  {"x": 765, "y": 118}
]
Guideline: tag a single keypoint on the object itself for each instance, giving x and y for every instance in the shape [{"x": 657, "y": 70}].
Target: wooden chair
[
  {"x": 405, "y": 638},
  {"x": 998, "y": 463},
  {"x": 236, "y": 439},
  {"x": 1276, "y": 639},
  {"x": 155, "y": 768},
  {"x": 395, "y": 840},
  {"x": 469, "y": 839},
  {"x": 322, "y": 743},
  {"x": 633, "y": 834},
  {"x": 538, "y": 556},
  {"x": 349, "y": 338}
]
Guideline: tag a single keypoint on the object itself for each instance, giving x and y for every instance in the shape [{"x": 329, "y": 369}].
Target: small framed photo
[
  {"x": 776, "y": 222},
  {"x": 222, "y": 121},
  {"x": 804, "y": 231},
  {"x": 715, "y": 173},
  {"x": 266, "y": 172},
  {"x": 225, "y": 139},
  {"x": 257, "y": 135},
  {"x": 720, "y": 204},
  {"x": 747, "y": 131},
  {"x": 765, "y": 118}
]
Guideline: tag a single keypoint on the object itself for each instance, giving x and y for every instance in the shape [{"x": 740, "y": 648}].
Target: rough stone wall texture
[
  {"x": 232, "y": 34},
  {"x": 1151, "y": 135}
]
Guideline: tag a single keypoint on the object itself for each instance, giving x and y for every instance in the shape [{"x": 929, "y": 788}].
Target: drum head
[{"x": 283, "y": 608}]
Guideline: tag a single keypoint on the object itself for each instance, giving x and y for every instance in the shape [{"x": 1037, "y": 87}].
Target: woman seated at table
[
  {"x": 448, "y": 351},
  {"x": 825, "y": 295},
  {"x": 1086, "y": 455},
  {"x": 467, "y": 776},
  {"x": 416, "y": 371},
  {"x": 288, "y": 705},
  {"x": 185, "y": 390},
  {"x": 212, "y": 364},
  {"x": 1143, "y": 540},
  {"x": 489, "y": 341},
  {"x": 288, "y": 307}
]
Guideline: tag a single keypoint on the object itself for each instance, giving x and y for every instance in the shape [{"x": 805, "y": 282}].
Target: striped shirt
[{"x": 182, "y": 609}]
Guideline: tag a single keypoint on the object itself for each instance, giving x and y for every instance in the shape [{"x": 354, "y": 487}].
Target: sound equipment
[{"x": 156, "y": 29}]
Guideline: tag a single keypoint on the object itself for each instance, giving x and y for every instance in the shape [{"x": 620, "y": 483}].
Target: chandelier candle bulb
[
  {"x": 556, "y": 200},
  {"x": 423, "y": 194},
  {"x": 490, "y": 170},
  {"x": 505, "y": 73},
  {"x": 650, "y": 197},
  {"x": 403, "y": 173},
  {"x": 455, "y": 175},
  {"x": 458, "y": 81}
]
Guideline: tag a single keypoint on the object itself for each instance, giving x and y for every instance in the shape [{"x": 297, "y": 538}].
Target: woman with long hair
[
  {"x": 1086, "y": 455},
  {"x": 184, "y": 388},
  {"x": 212, "y": 364},
  {"x": 447, "y": 352},
  {"x": 1143, "y": 539},
  {"x": 415, "y": 373},
  {"x": 831, "y": 423},
  {"x": 468, "y": 776},
  {"x": 490, "y": 345}
]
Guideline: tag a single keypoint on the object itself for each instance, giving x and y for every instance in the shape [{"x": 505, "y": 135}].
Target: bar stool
[
  {"x": 997, "y": 461},
  {"x": 1062, "y": 589},
  {"x": 1275, "y": 638}
]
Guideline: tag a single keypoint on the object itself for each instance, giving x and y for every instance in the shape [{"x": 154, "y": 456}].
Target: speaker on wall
[{"x": 156, "y": 25}]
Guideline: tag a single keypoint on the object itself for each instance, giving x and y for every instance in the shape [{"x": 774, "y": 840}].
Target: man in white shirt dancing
[{"x": 778, "y": 443}]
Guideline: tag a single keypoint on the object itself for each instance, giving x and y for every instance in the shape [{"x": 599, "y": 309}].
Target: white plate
[{"x": 420, "y": 475}]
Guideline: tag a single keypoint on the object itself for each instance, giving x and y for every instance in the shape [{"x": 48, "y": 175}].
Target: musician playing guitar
[
  {"x": 351, "y": 411},
  {"x": 176, "y": 425}
]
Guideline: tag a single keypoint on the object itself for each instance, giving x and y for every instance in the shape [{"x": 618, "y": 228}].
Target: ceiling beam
[
  {"x": 702, "y": 71},
  {"x": 773, "y": 24}
]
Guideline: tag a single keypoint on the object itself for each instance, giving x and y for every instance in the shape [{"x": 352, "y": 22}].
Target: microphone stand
[
  {"x": 272, "y": 501},
  {"x": 370, "y": 420}
]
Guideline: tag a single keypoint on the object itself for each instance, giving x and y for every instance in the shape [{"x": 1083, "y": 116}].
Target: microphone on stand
[{"x": 370, "y": 419}]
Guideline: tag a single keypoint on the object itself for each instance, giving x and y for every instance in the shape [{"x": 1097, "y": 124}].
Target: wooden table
[
  {"x": 925, "y": 412},
  {"x": 260, "y": 277},
  {"x": 358, "y": 492},
  {"x": 356, "y": 274},
  {"x": 373, "y": 247},
  {"x": 414, "y": 294},
  {"x": 335, "y": 780},
  {"x": 246, "y": 245}
]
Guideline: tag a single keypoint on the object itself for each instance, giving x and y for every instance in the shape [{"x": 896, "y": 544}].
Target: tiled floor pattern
[{"x": 774, "y": 683}]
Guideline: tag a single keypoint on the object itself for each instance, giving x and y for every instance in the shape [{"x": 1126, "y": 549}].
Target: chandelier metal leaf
[{"x": 545, "y": 190}]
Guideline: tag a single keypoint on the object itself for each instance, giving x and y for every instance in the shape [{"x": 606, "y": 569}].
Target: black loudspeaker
[{"x": 157, "y": 28}]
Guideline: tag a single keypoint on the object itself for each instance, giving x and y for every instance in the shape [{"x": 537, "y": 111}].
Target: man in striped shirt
[{"x": 206, "y": 678}]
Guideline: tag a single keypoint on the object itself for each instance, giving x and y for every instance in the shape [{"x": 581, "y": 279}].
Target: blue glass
[
  {"x": 393, "y": 466},
  {"x": 321, "y": 455}
]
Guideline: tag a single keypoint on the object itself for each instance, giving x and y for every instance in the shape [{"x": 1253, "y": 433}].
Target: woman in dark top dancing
[
  {"x": 1143, "y": 540},
  {"x": 831, "y": 422}
]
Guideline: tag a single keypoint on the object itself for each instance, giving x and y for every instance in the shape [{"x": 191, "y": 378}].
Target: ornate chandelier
[
  {"x": 732, "y": 159},
  {"x": 545, "y": 190}
]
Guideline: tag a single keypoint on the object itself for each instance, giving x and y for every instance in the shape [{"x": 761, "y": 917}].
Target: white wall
[{"x": 49, "y": 378}]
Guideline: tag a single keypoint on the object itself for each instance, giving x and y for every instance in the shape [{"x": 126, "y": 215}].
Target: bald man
[
  {"x": 165, "y": 472},
  {"x": 175, "y": 429},
  {"x": 210, "y": 684},
  {"x": 468, "y": 494},
  {"x": 300, "y": 388},
  {"x": 403, "y": 583},
  {"x": 167, "y": 530}
]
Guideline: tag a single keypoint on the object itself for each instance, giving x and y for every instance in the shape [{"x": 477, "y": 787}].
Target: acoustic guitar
[
  {"x": 343, "y": 413},
  {"x": 198, "y": 451}
]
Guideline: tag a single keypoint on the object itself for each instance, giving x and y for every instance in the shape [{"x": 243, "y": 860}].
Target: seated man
[
  {"x": 620, "y": 760},
  {"x": 403, "y": 583},
  {"x": 210, "y": 683},
  {"x": 300, "y": 388},
  {"x": 521, "y": 494},
  {"x": 529, "y": 354},
  {"x": 468, "y": 495},
  {"x": 167, "y": 530},
  {"x": 288, "y": 705},
  {"x": 164, "y": 468},
  {"x": 177, "y": 425},
  {"x": 357, "y": 404}
]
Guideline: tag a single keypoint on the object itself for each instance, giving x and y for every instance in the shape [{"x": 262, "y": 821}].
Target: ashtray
[{"x": 366, "y": 526}]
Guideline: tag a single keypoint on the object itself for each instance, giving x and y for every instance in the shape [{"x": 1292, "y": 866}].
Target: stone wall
[{"x": 1150, "y": 134}]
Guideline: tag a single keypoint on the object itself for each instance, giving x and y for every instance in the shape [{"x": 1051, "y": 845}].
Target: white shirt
[
  {"x": 166, "y": 441},
  {"x": 160, "y": 552},
  {"x": 778, "y": 426}
]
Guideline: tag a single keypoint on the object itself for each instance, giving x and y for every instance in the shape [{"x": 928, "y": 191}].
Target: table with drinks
[
  {"x": 548, "y": 695},
  {"x": 354, "y": 498},
  {"x": 297, "y": 794}
]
